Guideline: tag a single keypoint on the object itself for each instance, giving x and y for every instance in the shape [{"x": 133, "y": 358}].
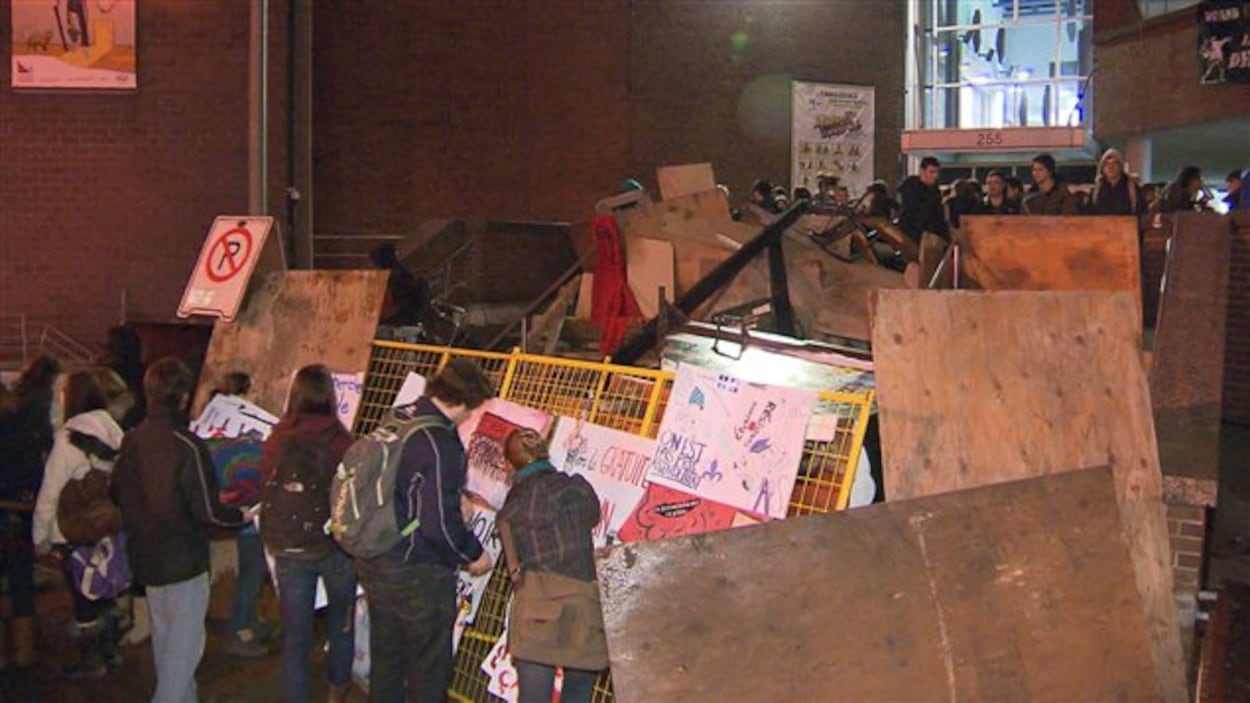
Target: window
[{"x": 1001, "y": 63}]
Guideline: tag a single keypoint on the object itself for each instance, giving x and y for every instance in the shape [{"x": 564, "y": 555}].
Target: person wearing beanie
[{"x": 1115, "y": 191}]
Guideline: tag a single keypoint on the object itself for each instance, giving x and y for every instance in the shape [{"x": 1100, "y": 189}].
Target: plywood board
[
  {"x": 650, "y": 266},
  {"x": 1014, "y": 592},
  {"x": 1051, "y": 253},
  {"x": 676, "y": 181},
  {"x": 292, "y": 319},
  {"x": 1187, "y": 372},
  {"x": 706, "y": 204},
  {"x": 980, "y": 388}
]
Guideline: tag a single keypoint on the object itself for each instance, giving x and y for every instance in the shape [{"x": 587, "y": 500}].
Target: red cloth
[{"x": 613, "y": 305}]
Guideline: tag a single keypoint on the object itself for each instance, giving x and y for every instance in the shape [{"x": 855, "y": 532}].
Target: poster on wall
[
  {"x": 731, "y": 441},
  {"x": 74, "y": 44},
  {"x": 1224, "y": 42},
  {"x": 831, "y": 131}
]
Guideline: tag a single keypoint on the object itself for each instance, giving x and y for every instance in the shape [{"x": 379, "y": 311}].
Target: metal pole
[{"x": 258, "y": 110}]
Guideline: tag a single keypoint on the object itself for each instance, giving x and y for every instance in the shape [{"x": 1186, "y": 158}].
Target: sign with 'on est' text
[{"x": 226, "y": 262}]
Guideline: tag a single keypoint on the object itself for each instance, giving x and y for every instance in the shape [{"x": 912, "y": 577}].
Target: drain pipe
[{"x": 258, "y": 110}]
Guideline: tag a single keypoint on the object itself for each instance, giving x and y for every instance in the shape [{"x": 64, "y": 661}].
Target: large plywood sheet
[
  {"x": 292, "y": 319},
  {"x": 1015, "y": 592},
  {"x": 979, "y": 388},
  {"x": 1187, "y": 372},
  {"x": 676, "y": 181},
  {"x": 1051, "y": 253}
]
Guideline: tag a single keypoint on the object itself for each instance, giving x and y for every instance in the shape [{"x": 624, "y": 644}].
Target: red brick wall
[
  {"x": 101, "y": 193},
  {"x": 1237, "y": 329}
]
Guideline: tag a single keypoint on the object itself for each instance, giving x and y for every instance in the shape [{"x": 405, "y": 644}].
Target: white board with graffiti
[
  {"x": 483, "y": 435},
  {"x": 614, "y": 462},
  {"x": 731, "y": 441}
]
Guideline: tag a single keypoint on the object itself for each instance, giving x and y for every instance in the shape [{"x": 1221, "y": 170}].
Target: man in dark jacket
[
  {"x": 921, "y": 202},
  {"x": 411, "y": 590},
  {"x": 166, "y": 487}
]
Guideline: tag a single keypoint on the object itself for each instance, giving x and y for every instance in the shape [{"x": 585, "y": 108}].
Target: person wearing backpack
[
  {"x": 87, "y": 443},
  {"x": 411, "y": 587},
  {"x": 166, "y": 487},
  {"x": 300, "y": 458}
]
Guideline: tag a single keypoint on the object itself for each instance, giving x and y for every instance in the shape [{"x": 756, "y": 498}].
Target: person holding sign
[{"x": 545, "y": 525}]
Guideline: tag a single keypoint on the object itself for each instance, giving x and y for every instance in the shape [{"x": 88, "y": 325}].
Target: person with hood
[
  {"x": 1115, "y": 191},
  {"x": 87, "y": 442},
  {"x": 166, "y": 487},
  {"x": 300, "y": 458},
  {"x": 25, "y": 440},
  {"x": 1049, "y": 196}
]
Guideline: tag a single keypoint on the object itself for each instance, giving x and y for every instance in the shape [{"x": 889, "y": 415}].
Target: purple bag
[{"x": 101, "y": 570}]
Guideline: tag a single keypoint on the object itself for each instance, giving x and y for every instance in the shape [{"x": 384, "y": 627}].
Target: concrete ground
[{"x": 222, "y": 678}]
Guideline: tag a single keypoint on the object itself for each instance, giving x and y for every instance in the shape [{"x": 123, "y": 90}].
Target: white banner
[
  {"x": 832, "y": 130},
  {"x": 232, "y": 416}
]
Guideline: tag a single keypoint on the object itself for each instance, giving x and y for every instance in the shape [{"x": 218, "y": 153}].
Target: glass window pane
[
  {"x": 1070, "y": 109},
  {"x": 1074, "y": 49}
]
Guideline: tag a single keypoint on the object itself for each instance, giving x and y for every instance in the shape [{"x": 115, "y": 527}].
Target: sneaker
[{"x": 250, "y": 647}]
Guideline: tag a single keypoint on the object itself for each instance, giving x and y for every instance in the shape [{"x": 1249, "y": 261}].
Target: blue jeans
[
  {"x": 537, "y": 682},
  {"x": 251, "y": 576},
  {"x": 177, "y": 612},
  {"x": 412, "y": 608},
  {"x": 297, "y": 589}
]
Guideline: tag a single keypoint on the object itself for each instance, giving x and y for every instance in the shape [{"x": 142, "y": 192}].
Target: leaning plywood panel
[
  {"x": 1015, "y": 592},
  {"x": 1187, "y": 374},
  {"x": 979, "y": 388},
  {"x": 293, "y": 319},
  {"x": 1051, "y": 253}
]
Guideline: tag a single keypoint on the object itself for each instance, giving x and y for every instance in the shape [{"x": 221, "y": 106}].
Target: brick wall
[
  {"x": 102, "y": 193},
  {"x": 1237, "y": 329}
]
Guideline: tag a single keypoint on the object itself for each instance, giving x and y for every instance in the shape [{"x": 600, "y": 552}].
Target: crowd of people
[
  {"x": 84, "y": 490},
  {"x": 920, "y": 204}
]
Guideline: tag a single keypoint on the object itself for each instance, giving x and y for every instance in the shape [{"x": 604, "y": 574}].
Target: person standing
[
  {"x": 997, "y": 202},
  {"x": 545, "y": 525},
  {"x": 1185, "y": 193},
  {"x": 87, "y": 442},
  {"x": 300, "y": 458},
  {"x": 411, "y": 589},
  {"x": 1234, "y": 195},
  {"x": 1115, "y": 191},
  {"x": 26, "y": 437},
  {"x": 921, "y": 202},
  {"x": 1049, "y": 196},
  {"x": 166, "y": 487}
]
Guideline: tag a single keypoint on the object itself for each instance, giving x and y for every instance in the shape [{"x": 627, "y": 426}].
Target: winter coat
[
  {"x": 67, "y": 463},
  {"x": 166, "y": 486}
]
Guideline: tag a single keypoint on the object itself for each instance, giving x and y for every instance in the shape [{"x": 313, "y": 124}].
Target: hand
[
  {"x": 483, "y": 565},
  {"x": 466, "y": 507}
]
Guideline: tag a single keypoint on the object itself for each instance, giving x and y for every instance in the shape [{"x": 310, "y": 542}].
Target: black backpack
[{"x": 295, "y": 501}]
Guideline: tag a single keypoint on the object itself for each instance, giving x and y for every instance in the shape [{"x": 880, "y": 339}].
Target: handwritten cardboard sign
[
  {"x": 731, "y": 441},
  {"x": 665, "y": 512},
  {"x": 470, "y": 590},
  {"x": 348, "y": 388},
  {"x": 614, "y": 462},
  {"x": 231, "y": 416}
]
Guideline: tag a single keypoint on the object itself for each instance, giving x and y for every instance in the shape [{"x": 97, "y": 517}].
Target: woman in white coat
[{"x": 93, "y": 400}]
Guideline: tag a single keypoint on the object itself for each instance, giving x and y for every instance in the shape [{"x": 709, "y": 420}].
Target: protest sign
[
  {"x": 665, "y": 512},
  {"x": 483, "y": 435},
  {"x": 231, "y": 416},
  {"x": 732, "y": 441},
  {"x": 614, "y": 462}
]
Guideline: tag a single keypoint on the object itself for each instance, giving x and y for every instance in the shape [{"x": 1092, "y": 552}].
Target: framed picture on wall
[{"x": 74, "y": 44}]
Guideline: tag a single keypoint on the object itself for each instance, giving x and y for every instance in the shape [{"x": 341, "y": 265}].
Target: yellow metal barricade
[{"x": 622, "y": 397}]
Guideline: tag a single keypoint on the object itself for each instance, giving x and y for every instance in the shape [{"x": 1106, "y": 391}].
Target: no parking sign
[{"x": 226, "y": 262}]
